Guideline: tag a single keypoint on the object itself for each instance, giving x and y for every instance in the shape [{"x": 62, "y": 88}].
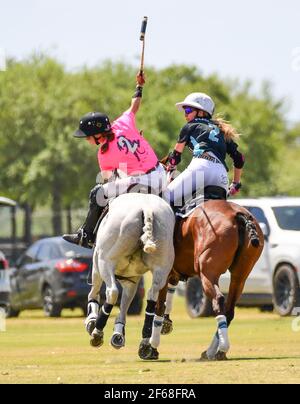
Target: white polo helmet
[{"x": 199, "y": 101}]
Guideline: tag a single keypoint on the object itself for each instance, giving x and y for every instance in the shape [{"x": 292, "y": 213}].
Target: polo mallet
[{"x": 142, "y": 38}]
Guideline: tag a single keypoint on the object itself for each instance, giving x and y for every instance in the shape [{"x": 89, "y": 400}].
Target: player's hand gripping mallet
[{"x": 142, "y": 38}]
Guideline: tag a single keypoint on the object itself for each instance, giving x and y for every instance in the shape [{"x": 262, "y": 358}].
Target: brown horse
[{"x": 217, "y": 236}]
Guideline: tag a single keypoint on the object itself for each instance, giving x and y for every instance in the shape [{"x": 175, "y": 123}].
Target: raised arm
[{"x": 137, "y": 97}]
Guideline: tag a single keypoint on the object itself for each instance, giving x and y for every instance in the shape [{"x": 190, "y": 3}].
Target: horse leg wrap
[
  {"x": 213, "y": 349},
  {"x": 103, "y": 316},
  {"x": 93, "y": 309},
  {"x": 150, "y": 312},
  {"x": 223, "y": 334},
  {"x": 170, "y": 298},
  {"x": 92, "y": 315},
  {"x": 119, "y": 329},
  {"x": 156, "y": 331}
]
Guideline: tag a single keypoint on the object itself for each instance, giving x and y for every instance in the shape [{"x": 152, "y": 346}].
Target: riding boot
[{"x": 86, "y": 235}]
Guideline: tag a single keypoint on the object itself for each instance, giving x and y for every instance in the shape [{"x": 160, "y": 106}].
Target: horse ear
[{"x": 164, "y": 161}]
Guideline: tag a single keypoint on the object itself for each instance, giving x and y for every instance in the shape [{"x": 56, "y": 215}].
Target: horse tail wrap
[
  {"x": 246, "y": 225},
  {"x": 147, "y": 238}
]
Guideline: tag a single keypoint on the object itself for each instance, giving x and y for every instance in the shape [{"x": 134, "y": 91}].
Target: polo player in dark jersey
[{"x": 209, "y": 140}]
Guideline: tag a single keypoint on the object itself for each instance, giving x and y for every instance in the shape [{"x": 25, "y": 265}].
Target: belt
[{"x": 206, "y": 156}]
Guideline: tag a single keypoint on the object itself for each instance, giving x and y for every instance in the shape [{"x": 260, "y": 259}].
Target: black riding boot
[{"x": 86, "y": 235}]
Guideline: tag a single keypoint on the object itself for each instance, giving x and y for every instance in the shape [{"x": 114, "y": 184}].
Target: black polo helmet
[{"x": 92, "y": 124}]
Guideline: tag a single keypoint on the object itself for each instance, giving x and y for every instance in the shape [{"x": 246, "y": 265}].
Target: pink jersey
[{"x": 129, "y": 151}]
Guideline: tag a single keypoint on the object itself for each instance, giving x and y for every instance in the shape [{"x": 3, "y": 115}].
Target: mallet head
[{"x": 143, "y": 29}]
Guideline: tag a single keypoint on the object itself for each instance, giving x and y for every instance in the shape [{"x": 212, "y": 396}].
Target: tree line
[{"x": 41, "y": 102}]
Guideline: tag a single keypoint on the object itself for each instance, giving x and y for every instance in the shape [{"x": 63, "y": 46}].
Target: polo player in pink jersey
[{"x": 125, "y": 159}]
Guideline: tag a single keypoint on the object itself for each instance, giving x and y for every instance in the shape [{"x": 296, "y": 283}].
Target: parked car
[
  {"x": 274, "y": 281},
  {"x": 280, "y": 222},
  {"x": 52, "y": 274},
  {"x": 4, "y": 283}
]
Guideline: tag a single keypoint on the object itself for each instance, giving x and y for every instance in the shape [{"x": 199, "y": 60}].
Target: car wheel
[
  {"x": 51, "y": 309},
  {"x": 197, "y": 304},
  {"x": 11, "y": 312},
  {"x": 286, "y": 290}
]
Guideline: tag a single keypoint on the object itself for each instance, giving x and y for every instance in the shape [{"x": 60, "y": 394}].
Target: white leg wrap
[
  {"x": 156, "y": 331},
  {"x": 93, "y": 310},
  {"x": 213, "y": 349},
  {"x": 223, "y": 334},
  {"x": 170, "y": 298},
  {"x": 119, "y": 329}
]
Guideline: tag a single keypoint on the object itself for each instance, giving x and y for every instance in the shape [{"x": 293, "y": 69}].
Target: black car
[
  {"x": 4, "y": 283},
  {"x": 52, "y": 274}
]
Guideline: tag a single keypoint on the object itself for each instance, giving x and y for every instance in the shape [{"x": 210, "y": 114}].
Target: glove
[
  {"x": 140, "y": 79},
  {"x": 234, "y": 188},
  {"x": 170, "y": 167}
]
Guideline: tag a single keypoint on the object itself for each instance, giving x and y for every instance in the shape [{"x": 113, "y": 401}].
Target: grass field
[{"x": 38, "y": 350}]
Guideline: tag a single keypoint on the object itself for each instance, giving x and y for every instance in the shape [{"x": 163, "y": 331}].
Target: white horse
[{"x": 135, "y": 237}]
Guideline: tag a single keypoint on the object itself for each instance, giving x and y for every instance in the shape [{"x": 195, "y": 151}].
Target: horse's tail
[
  {"x": 246, "y": 224},
  {"x": 147, "y": 238}
]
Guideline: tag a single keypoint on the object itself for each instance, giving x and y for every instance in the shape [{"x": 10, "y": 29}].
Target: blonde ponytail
[{"x": 229, "y": 131}]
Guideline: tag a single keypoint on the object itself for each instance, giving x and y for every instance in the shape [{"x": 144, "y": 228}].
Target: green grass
[{"x": 264, "y": 349}]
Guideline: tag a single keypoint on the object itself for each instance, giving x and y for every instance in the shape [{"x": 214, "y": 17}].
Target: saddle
[{"x": 210, "y": 193}]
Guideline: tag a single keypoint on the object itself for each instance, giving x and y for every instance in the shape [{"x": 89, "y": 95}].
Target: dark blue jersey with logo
[{"x": 203, "y": 135}]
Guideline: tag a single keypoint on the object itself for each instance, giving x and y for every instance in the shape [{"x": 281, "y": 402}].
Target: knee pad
[{"x": 97, "y": 196}]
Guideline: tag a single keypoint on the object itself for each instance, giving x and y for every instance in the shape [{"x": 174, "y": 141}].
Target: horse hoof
[
  {"x": 153, "y": 355},
  {"x": 117, "y": 341},
  {"x": 97, "y": 339},
  {"x": 147, "y": 353},
  {"x": 144, "y": 349},
  {"x": 221, "y": 356},
  {"x": 206, "y": 358},
  {"x": 91, "y": 326},
  {"x": 167, "y": 327}
]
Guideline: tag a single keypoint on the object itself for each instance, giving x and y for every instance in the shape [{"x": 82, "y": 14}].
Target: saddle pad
[
  {"x": 189, "y": 208},
  {"x": 209, "y": 194}
]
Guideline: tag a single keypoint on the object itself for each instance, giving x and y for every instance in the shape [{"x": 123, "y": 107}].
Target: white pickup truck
[{"x": 275, "y": 279}]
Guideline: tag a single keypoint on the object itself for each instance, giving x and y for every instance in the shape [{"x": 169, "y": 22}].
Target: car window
[
  {"x": 45, "y": 253},
  {"x": 71, "y": 250},
  {"x": 29, "y": 256},
  {"x": 288, "y": 217},
  {"x": 259, "y": 215},
  {"x": 55, "y": 252}
]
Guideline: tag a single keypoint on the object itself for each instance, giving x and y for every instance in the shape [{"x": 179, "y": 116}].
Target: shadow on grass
[
  {"x": 228, "y": 360},
  {"x": 261, "y": 358}
]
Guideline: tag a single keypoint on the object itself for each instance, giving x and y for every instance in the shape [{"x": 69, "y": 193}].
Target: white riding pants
[{"x": 192, "y": 181}]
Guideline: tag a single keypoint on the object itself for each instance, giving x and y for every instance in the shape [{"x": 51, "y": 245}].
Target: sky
[{"x": 257, "y": 40}]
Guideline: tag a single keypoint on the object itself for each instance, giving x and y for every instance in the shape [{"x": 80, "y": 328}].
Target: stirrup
[
  {"x": 81, "y": 238},
  {"x": 85, "y": 239}
]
